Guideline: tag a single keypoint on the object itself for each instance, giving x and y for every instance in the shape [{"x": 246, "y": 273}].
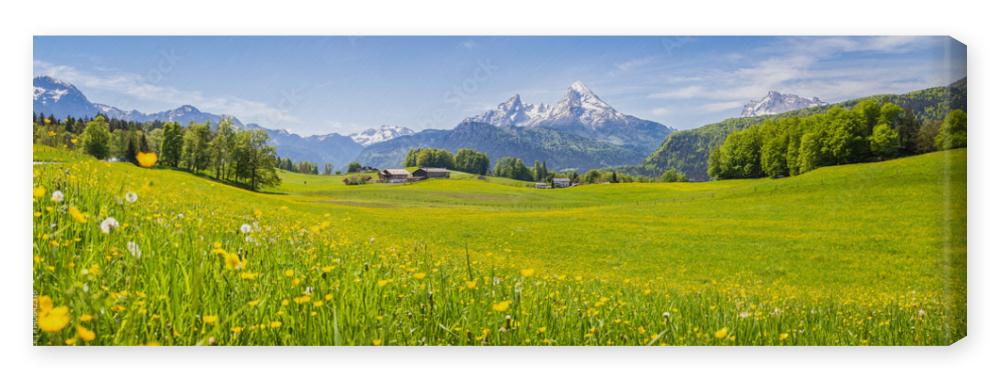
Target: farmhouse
[
  {"x": 560, "y": 182},
  {"x": 429, "y": 172},
  {"x": 393, "y": 175}
]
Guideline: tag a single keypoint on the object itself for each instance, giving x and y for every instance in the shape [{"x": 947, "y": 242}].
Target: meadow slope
[{"x": 859, "y": 254}]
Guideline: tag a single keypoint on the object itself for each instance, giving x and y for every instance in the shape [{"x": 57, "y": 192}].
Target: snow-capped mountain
[
  {"x": 52, "y": 96},
  {"x": 580, "y": 112},
  {"x": 513, "y": 112},
  {"x": 381, "y": 134},
  {"x": 777, "y": 103},
  {"x": 55, "y": 97}
]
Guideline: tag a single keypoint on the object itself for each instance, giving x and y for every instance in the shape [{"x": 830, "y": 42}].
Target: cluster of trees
[
  {"x": 465, "y": 160},
  {"x": 239, "y": 156},
  {"x": 869, "y": 131}
]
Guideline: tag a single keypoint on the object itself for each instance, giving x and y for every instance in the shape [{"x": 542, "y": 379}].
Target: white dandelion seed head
[
  {"x": 109, "y": 224},
  {"x": 245, "y": 228},
  {"x": 133, "y": 248},
  {"x": 744, "y": 314},
  {"x": 57, "y": 196},
  {"x": 131, "y": 197},
  {"x": 180, "y": 215},
  {"x": 371, "y": 240},
  {"x": 86, "y": 288},
  {"x": 249, "y": 239}
]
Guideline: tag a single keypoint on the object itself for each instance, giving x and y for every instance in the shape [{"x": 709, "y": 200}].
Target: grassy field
[{"x": 869, "y": 254}]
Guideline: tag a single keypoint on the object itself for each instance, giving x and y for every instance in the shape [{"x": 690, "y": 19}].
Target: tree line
[
  {"x": 240, "y": 156},
  {"x": 867, "y": 132},
  {"x": 476, "y": 162}
]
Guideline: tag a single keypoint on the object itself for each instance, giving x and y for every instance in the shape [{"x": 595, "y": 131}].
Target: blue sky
[{"x": 312, "y": 85}]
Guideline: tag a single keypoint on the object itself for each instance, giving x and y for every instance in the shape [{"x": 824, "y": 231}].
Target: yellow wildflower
[
  {"x": 471, "y": 284},
  {"x": 377, "y": 342},
  {"x": 77, "y": 215},
  {"x": 54, "y": 320},
  {"x": 86, "y": 317},
  {"x": 782, "y": 336},
  {"x": 38, "y": 192},
  {"x": 210, "y": 319},
  {"x": 419, "y": 275},
  {"x": 502, "y": 306},
  {"x": 146, "y": 160},
  {"x": 85, "y": 334},
  {"x": 275, "y": 324},
  {"x": 722, "y": 333},
  {"x": 528, "y": 272},
  {"x": 382, "y": 283}
]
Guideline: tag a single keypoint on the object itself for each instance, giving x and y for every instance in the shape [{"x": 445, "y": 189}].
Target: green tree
[
  {"x": 884, "y": 142},
  {"x": 171, "y": 144},
  {"x": 511, "y": 167},
  {"x": 221, "y": 148},
  {"x": 195, "y": 154},
  {"x": 671, "y": 175},
  {"x": 809, "y": 152},
  {"x": 954, "y": 132},
  {"x": 354, "y": 167},
  {"x": 926, "y": 136},
  {"x": 472, "y": 161},
  {"x": 97, "y": 138}
]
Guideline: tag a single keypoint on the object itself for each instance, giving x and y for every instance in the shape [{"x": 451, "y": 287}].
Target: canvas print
[{"x": 498, "y": 190}]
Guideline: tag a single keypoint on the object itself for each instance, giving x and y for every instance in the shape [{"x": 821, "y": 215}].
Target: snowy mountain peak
[
  {"x": 775, "y": 103},
  {"x": 579, "y": 87},
  {"x": 381, "y": 134}
]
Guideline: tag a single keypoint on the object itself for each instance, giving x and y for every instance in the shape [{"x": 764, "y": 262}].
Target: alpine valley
[{"x": 580, "y": 131}]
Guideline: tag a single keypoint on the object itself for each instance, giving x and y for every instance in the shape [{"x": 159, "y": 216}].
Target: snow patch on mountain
[
  {"x": 381, "y": 134},
  {"x": 777, "y": 103}
]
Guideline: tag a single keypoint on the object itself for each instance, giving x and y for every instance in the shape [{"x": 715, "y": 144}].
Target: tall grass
[{"x": 853, "y": 255}]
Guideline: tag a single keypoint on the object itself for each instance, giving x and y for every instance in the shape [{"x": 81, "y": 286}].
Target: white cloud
[
  {"x": 141, "y": 88},
  {"x": 661, "y": 111},
  {"x": 722, "y": 106},
  {"x": 685, "y": 92},
  {"x": 633, "y": 63}
]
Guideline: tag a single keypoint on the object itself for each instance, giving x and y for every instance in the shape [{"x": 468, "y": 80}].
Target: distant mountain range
[
  {"x": 62, "y": 99},
  {"x": 777, "y": 103},
  {"x": 580, "y": 131},
  {"x": 381, "y": 134}
]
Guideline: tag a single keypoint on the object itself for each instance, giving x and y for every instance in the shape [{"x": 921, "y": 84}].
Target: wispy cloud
[{"x": 143, "y": 88}]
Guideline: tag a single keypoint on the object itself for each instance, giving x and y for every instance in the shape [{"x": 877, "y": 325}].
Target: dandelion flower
[
  {"x": 85, "y": 334},
  {"x": 471, "y": 284},
  {"x": 275, "y": 324},
  {"x": 722, "y": 333},
  {"x": 527, "y": 272},
  {"x": 38, "y": 192},
  {"x": 382, "y": 283},
  {"x": 133, "y": 248},
  {"x": 57, "y": 196},
  {"x": 85, "y": 317},
  {"x": 51, "y": 319},
  {"x": 146, "y": 160},
  {"x": 109, "y": 224},
  {"x": 77, "y": 215},
  {"x": 502, "y": 306},
  {"x": 131, "y": 197},
  {"x": 419, "y": 275},
  {"x": 782, "y": 336},
  {"x": 237, "y": 329},
  {"x": 210, "y": 319},
  {"x": 377, "y": 342}
]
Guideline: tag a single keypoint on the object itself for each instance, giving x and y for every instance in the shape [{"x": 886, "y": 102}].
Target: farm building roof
[{"x": 396, "y": 171}]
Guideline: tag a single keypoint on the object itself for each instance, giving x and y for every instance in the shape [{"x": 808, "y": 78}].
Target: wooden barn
[
  {"x": 430, "y": 172},
  {"x": 393, "y": 175}
]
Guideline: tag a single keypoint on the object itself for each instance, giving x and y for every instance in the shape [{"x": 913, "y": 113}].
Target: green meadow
[{"x": 865, "y": 254}]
